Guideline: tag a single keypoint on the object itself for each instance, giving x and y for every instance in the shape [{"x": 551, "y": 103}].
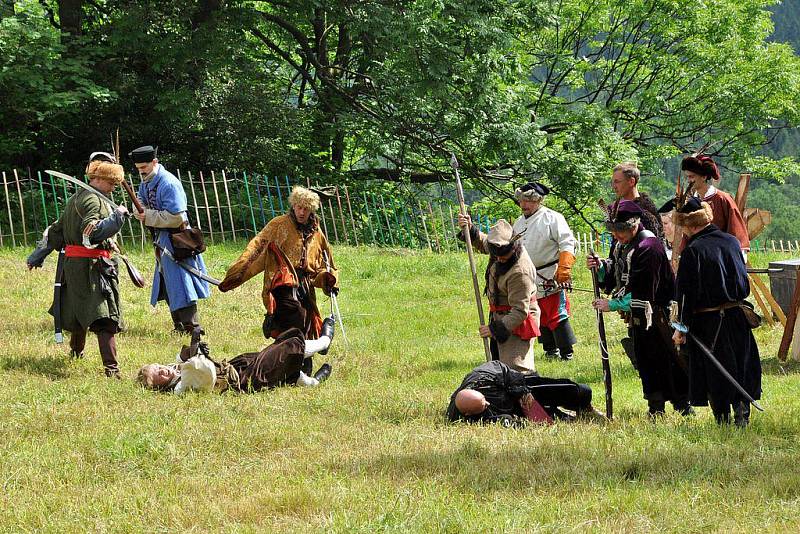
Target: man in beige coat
[{"x": 511, "y": 290}]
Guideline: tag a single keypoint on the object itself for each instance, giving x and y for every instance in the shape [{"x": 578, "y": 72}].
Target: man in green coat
[{"x": 89, "y": 291}]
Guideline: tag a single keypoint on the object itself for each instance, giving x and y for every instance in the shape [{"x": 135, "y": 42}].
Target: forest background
[{"x": 376, "y": 94}]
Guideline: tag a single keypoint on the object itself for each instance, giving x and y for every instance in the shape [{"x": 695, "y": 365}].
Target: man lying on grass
[
  {"x": 278, "y": 364},
  {"x": 493, "y": 392}
]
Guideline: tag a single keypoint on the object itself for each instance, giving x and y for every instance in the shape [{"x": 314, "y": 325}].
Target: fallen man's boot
[
  {"x": 327, "y": 330},
  {"x": 323, "y": 372}
]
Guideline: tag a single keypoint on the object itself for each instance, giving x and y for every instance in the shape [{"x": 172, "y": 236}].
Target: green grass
[{"x": 370, "y": 450}]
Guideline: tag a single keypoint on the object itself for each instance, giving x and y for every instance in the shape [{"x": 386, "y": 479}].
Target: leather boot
[
  {"x": 108, "y": 353},
  {"x": 327, "y": 330},
  {"x": 323, "y": 372},
  {"x": 77, "y": 342},
  {"x": 655, "y": 408},
  {"x": 722, "y": 414},
  {"x": 741, "y": 414}
]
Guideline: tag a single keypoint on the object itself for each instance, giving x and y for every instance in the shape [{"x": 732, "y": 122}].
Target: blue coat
[{"x": 165, "y": 192}]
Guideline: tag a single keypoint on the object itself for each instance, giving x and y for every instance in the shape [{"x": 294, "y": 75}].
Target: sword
[
  {"x": 186, "y": 267},
  {"x": 723, "y": 371},
  {"x": 334, "y": 300},
  {"x": 86, "y": 186}
]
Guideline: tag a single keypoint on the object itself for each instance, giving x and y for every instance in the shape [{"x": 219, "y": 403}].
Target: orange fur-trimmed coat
[{"x": 283, "y": 232}]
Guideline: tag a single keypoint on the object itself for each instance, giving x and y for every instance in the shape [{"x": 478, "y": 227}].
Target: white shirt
[{"x": 546, "y": 234}]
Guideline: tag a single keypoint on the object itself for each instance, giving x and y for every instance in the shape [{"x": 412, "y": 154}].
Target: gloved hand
[{"x": 566, "y": 260}]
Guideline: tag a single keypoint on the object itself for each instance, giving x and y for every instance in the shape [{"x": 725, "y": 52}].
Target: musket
[
  {"x": 133, "y": 272},
  {"x": 601, "y": 330},
  {"x": 335, "y": 300},
  {"x": 468, "y": 241}
]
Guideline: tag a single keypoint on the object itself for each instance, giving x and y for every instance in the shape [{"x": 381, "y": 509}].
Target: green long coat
[{"x": 82, "y": 299}]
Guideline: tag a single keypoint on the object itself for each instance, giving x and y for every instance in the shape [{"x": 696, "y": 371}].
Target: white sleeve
[{"x": 561, "y": 233}]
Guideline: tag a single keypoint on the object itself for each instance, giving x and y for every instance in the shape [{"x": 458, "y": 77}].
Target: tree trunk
[{"x": 70, "y": 14}]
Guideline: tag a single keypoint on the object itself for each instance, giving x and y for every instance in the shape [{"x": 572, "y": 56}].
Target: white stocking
[{"x": 316, "y": 345}]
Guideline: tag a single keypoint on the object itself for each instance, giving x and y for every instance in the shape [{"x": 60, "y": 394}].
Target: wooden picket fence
[{"x": 235, "y": 205}]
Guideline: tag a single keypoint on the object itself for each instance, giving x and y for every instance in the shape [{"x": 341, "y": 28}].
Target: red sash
[
  {"x": 79, "y": 251},
  {"x": 526, "y": 330}
]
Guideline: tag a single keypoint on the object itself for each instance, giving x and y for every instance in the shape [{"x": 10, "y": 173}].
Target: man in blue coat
[{"x": 165, "y": 213}]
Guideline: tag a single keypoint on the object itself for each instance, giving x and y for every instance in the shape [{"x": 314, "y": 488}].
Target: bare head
[
  {"x": 625, "y": 179},
  {"x": 304, "y": 202},
  {"x": 156, "y": 376},
  {"x": 471, "y": 402}
]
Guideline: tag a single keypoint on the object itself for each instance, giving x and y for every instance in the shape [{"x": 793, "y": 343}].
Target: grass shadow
[
  {"x": 52, "y": 367},
  {"x": 773, "y": 366}
]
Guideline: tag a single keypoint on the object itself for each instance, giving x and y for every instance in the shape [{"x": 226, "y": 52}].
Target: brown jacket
[
  {"x": 257, "y": 258},
  {"x": 515, "y": 288}
]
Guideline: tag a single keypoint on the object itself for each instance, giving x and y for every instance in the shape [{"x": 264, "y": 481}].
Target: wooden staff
[
  {"x": 219, "y": 208},
  {"x": 388, "y": 224},
  {"x": 350, "y": 209},
  {"x": 468, "y": 241},
  {"x": 333, "y": 220},
  {"x": 230, "y": 209},
  {"x": 601, "y": 330},
  {"x": 8, "y": 205},
  {"x": 249, "y": 201},
  {"x": 435, "y": 231},
  {"x": 280, "y": 196},
  {"x": 341, "y": 216},
  {"x": 444, "y": 228},
  {"x": 205, "y": 201},
  {"x": 21, "y": 209}
]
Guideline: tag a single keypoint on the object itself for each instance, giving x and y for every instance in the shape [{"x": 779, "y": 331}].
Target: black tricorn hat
[{"x": 143, "y": 154}]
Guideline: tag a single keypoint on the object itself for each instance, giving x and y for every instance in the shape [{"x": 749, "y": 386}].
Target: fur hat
[
  {"x": 702, "y": 165},
  {"x": 303, "y": 197},
  {"x": 103, "y": 170},
  {"x": 627, "y": 216},
  {"x": 694, "y": 213},
  {"x": 531, "y": 191}
]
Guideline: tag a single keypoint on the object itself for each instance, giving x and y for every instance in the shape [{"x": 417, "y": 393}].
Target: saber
[
  {"x": 86, "y": 186},
  {"x": 133, "y": 272},
  {"x": 720, "y": 367},
  {"x": 334, "y": 300}
]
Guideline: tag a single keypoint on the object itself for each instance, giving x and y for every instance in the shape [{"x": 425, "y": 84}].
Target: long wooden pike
[{"x": 468, "y": 241}]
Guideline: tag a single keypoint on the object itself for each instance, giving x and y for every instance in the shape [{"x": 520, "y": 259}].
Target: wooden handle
[{"x": 136, "y": 203}]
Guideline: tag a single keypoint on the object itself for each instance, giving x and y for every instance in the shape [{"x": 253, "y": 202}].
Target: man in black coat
[
  {"x": 493, "y": 392},
  {"x": 711, "y": 287}
]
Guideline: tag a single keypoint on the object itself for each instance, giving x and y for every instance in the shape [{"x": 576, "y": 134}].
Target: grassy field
[{"x": 370, "y": 450}]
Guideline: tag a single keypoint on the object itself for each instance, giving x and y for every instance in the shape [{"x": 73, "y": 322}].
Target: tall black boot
[
  {"x": 655, "y": 408},
  {"x": 741, "y": 414},
  {"x": 722, "y": 413}
]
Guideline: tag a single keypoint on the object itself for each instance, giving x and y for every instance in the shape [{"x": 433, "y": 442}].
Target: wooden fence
[{"x": 230, "y": 205}]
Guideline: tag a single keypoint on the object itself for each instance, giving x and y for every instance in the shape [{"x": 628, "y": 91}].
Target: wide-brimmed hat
[{"x": 501, "y": 238}]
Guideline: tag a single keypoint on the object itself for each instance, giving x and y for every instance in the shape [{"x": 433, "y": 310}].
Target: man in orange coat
[{"x": 295, "y": 258}]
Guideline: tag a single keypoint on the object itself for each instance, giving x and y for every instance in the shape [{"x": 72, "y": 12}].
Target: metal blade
[
  {"x": 84, "y": 185},
  {"x": 724, "y": 371}
]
